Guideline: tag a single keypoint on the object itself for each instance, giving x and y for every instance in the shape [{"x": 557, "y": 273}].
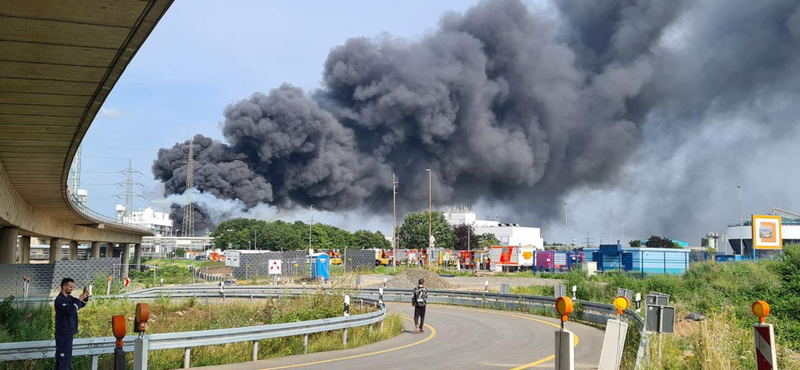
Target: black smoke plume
[{"x": 502, "y": 103}]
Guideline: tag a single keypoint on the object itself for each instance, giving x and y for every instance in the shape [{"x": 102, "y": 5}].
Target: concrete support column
[
  {"x": 8, "y": 245},
  {"x": 95, "y": 250},
  {"x": 109, "y": 250},
  {"x": 73, "y": 250},
  {"x": 137, "y": 257},
  {"x": 126, "y": 257},
  {"x": 25, "y": 249},
  {"x": 55, "y": 250}
]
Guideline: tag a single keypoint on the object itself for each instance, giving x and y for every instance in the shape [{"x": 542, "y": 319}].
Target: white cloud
[{"x": 108, "y": 113}]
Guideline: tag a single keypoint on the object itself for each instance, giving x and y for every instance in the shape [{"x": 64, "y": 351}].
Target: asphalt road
[{"x": 454, "y": 338}]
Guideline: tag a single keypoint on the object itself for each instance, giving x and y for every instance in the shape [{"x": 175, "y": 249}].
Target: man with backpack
[{"x": 420, "y": 300}]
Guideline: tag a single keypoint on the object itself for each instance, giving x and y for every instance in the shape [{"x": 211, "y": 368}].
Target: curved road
[{"x": 455, "y": 338}]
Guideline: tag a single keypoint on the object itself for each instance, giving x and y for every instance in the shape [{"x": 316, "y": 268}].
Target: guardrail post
[
  {"x": 346, "y": 314},
  {"x": 186, "y": 357},
  {"x": 486, "y": 287},
  {"x": 305, "y": 344},
  {"x": 140, "y": 354},
  {"x": 95, "y": 358},
  {"x": 255, "y": 350}
]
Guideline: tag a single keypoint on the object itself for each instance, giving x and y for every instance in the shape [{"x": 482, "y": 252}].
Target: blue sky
[{"x": 204, "y": 55}]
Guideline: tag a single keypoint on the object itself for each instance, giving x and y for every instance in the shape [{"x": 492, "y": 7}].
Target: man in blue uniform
[{"x": 67, "y": 307}]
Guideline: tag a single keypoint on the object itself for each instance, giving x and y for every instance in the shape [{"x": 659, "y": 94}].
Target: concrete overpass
[{"x": 59, "y": 61}]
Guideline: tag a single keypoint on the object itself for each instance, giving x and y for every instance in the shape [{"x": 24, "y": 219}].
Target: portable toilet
[{"x": 320, "y": 266}]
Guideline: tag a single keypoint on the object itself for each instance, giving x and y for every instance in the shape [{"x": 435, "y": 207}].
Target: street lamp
[
  {"x": 741, "y": 226},
  {"x": 394, "y": 221},
  {"x": 430, "y": 212},
  {"x": 566, "y": 224}
]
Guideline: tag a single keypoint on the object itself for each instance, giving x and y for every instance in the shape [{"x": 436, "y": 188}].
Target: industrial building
[
  {"x": 159, "y": 222},
  {"x": 615, "y": 257},
  {"x": 506, "y": 233},
  {"x": 159, "y": 246},
  {"x": 789, "y": 229}
]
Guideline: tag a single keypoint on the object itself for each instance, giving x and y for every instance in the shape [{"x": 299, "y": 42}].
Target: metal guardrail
[
  {"x": 597, "y": 312},
  {"x": 105, "y": 345},
  {"x": 97, "y": 216}
]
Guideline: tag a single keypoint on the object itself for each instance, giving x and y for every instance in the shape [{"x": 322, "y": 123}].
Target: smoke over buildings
[{"x": 504, "y": 103}]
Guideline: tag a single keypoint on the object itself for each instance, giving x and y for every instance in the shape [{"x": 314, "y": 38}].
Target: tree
[
  {"x": 461, "y": 232},
  {"x": 413, "y": 233},
  {"x": 235, "y": 233},
  {"x": 488, "y": 240},
  {"x": 659, "y": 242},
  {"x": 636, "y": 243},
  {"x": 704, "y": 242},
  {"x": 363, "y": 239}
]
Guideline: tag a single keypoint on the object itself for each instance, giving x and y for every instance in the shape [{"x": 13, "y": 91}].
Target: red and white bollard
[{"x": 764, "y": 336}]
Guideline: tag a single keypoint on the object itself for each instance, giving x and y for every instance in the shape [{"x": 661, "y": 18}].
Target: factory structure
[
  {"x": 774, "y": 230},
  {"x": 159, "y": 222},
  {"x": 509, "y": 234}
]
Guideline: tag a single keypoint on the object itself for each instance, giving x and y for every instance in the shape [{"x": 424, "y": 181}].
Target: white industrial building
[
  {"x": 159, "y": 222},
  {"x": 161, "y": 245},
  {"x": 506, "y": 233},
  {"x": 790, "y": 231}
]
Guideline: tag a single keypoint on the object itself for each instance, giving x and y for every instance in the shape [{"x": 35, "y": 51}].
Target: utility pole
[
  {"x": 394, "y": 221},
  {"x": 430, "y": 213},
  {"x": 256, "y": 239},
  {"x": 128, "y": 185},
  {"x": 188, "y": 208},
  {"x": 310, "y": 226},
  {"x": 469, "y": 236}
]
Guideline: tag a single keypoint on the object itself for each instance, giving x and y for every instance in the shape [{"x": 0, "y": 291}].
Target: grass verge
[
  {"x": 36, "y": 323},
  {"x": 723, "y": 292}
]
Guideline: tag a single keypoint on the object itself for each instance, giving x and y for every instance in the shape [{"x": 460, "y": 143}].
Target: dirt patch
[
  {"x": 217, "y": 270},
  {"x": 408, "y": 280}
]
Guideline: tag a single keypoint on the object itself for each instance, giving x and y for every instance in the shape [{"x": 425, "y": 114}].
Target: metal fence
[{"x": 591, "y": 311}]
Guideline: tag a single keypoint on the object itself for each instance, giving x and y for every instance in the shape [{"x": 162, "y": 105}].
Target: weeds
[{"x": 35, "y": 323}]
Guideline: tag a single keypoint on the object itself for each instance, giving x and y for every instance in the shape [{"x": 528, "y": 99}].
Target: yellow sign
[
  {"x": 761, "y": 310},
  {"x": 766, "y": 231},
  {"x": 621, "y": 303}
]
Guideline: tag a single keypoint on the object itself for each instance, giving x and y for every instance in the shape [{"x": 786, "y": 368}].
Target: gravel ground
[
  {"x": 464, "y": 282},
  {"x": 408, "y": 280}
]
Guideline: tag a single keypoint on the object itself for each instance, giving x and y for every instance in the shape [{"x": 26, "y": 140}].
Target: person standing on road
[
  {"x": 420, "y": 300},
  {"x": 67, "y": 307}
]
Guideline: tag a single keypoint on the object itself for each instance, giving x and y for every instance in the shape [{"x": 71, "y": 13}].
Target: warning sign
[{"x": 275, "y": 267}]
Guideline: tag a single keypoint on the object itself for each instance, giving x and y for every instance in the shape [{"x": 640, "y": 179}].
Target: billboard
[{"x": 767, "y": 232}]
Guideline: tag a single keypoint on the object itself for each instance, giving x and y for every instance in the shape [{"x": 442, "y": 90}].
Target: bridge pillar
[
  {"x": 126, "y": 258},
  {"x": 109, "y": 250},
  {"x": 55, "y": 250},
  {"x": 73, "y": 250},
  {"x": 137, "y": 256},
  {"x": 8, "y": 244},
  {"x": 25, "y": 249},
  {"x": 95, "y": 249}
]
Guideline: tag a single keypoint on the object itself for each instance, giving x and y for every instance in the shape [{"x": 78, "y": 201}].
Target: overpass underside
[{"x": 59, "y": 61}]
